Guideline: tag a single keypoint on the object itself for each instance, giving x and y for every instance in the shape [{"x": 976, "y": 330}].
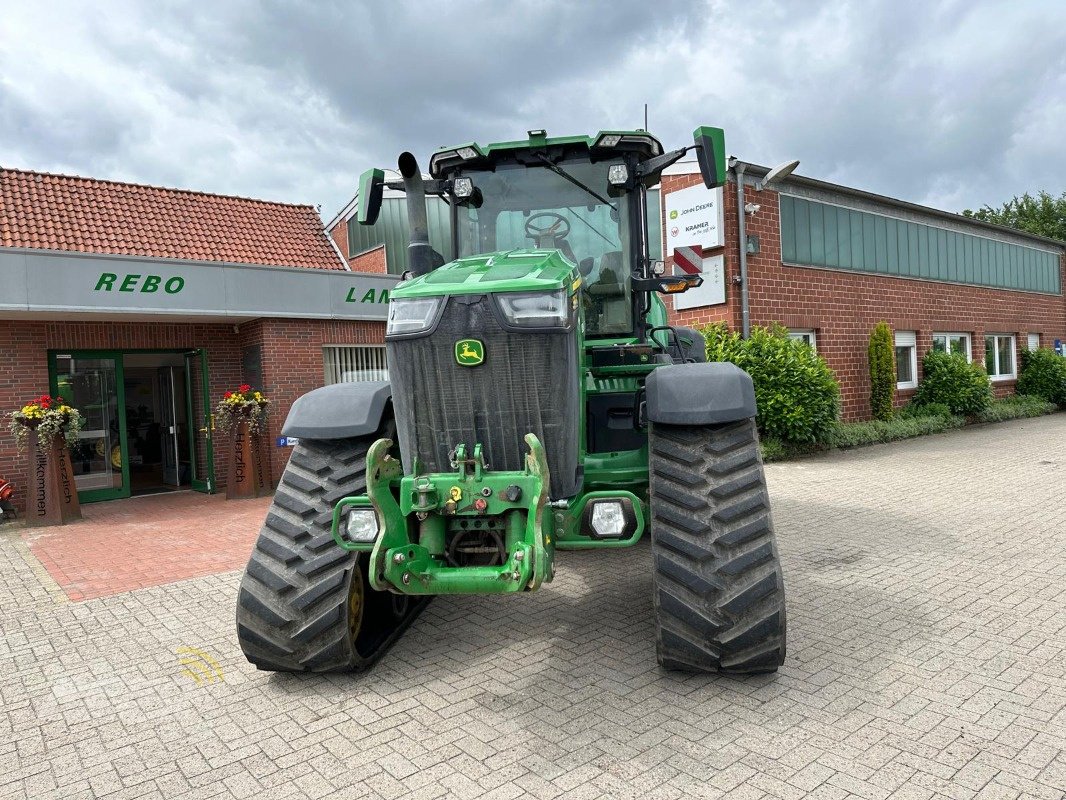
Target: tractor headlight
[
  {"x": 362, "y": 525},
  {"x": 413, "y": 315},
  {"x": 610, "y": 518},
  {"x": 534, "y": 309},
  {"x": 617, "y": 174},
  {"x": 463, "y": 187}
]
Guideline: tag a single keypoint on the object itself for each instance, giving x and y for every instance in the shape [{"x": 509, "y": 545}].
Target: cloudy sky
[{"x": 953, "y": 104}]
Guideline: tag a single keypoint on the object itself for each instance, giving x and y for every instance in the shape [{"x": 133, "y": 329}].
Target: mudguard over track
[
  {"x": 304, "y": 603},
  {"x": 719, "y": 594}
]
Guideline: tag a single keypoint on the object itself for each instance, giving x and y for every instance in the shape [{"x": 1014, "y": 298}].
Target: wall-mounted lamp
[{"x": 753, "y": 245}]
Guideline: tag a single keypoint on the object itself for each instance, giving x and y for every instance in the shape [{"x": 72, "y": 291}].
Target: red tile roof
[{"x": 63, "y": 212}]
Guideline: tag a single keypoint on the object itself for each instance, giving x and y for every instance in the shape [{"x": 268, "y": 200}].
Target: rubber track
[
  {"x": 719, "y": 594},
  {"x": 292, "y": 607}
]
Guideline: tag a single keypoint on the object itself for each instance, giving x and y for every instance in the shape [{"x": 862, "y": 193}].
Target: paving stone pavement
[{"x": 927, "y": 658}]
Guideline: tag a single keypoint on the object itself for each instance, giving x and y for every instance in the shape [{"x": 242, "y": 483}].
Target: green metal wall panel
[{"x": 825, "y": 235}]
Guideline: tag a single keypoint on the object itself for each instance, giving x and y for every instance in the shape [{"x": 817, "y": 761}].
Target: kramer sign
[{"x": 50, "y": 282}]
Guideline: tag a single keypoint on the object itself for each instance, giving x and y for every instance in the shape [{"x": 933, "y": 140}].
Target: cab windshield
[{"x": 536, "y": 207}]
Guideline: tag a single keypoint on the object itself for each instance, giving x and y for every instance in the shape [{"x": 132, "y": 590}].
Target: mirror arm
[{"x": 653, "y": 166}]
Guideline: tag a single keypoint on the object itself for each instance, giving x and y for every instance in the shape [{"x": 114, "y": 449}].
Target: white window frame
[
  {"x": 807, "y": 335},
  {"x": 947, "y": 335},
  {"x": 340, "y": 360},
  {"x": 996, "y": 376},
  {"x": 1033, "y": 341},
  {"x": 908, "y": 339}
]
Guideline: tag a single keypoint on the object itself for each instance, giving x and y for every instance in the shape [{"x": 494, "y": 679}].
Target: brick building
[
  {"x": 830, "y": 262},
  {"x": 143, "y": 305}
]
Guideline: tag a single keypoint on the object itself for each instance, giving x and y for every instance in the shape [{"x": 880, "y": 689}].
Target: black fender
[
  {"x": 339, "y": 411},
  {"x": 700, "y": 394}
]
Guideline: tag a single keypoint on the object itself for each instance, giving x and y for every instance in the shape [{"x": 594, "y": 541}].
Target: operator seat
[{"x": 564, "y": 247}]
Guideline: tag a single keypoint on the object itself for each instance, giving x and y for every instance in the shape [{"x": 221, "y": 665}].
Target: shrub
[
  {"x": 1043, "y": 375},
  {"x": 952, "y": 380},
  {"x": 912, "y": 410},
  {"x": 797, "y": 396},
  {"x": 857, "y": 434},
  {"x": 1020, "y": 406},
  {"x": 882, "y": 371}
]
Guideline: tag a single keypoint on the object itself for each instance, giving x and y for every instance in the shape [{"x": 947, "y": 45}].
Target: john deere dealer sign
[
  {"x": 49, "y": 282},
  {"x": 694, "y": 216}
]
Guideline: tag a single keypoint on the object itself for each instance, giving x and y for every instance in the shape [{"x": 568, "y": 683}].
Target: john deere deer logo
[{"x": 469, "y": 352}]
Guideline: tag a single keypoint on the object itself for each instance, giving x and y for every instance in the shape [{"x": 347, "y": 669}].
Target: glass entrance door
[
  {"x": 93, "y": 383},
  {"x": 201, "y": 422}
]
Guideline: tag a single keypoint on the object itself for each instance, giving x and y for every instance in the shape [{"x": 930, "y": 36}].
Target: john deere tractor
[{"x": 538, "y": 401}]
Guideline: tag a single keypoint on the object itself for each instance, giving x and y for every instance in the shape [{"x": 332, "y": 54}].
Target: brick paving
[
  {"x": 173, "y": 536},
  {"x": 927, "y": 659}
]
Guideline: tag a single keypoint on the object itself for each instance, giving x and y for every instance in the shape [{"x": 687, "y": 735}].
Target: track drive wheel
[
  {"x": 719, "y": 595},
  {"x": 306, "y": 605}
]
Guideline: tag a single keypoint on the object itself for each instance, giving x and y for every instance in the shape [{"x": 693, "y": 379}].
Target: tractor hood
[{"x": 505, "y": 271}]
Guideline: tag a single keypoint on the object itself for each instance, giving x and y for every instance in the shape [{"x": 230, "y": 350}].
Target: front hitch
[{"x": 423, "y": 520}]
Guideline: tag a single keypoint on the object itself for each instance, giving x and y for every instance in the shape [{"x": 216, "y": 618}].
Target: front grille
[{"x": 528, "y": 383}]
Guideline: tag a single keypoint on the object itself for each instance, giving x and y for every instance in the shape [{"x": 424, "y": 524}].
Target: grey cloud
[{"x": 954, "y": 103}]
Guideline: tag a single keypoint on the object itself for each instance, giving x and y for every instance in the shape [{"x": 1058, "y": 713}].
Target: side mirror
[
  {"x": 371, "y": 187},
  {"x": 710, "y": 150}
]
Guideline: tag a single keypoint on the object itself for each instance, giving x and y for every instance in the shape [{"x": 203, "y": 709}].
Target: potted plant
[
  {"x": 243, "y": 416},
  {"x": 46, "y": 428}
]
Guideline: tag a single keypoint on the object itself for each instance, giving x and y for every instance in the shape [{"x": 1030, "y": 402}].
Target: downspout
[
  {"x": 420, "y": 255},
  {"x": 745, "y": 319}
]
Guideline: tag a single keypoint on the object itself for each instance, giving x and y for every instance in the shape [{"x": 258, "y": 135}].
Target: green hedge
[
  {"x": 882, "y": 371},
  {"x": 1019, "y": 406},
  {"x": 1043, "y": 375},
  {"x": 797, "y": 396},
  {"x": 955, "y": 382}
]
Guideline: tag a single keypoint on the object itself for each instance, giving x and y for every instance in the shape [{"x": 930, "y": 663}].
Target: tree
[
  {"x": 882, "y": 371},
  {"x": 1043, "y": 215}
]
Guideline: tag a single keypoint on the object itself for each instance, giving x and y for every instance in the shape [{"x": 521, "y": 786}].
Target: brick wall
[
  {"x": 370, "y": 261},
  {"x": 24, "y": 374},
  {"x": 339, "y": 235},
  {"x": 842, "y": 307},
  {"x": 293, "y": 362}
]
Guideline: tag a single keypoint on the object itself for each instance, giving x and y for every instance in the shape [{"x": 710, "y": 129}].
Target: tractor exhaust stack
[{"x": 420, "y": 256}]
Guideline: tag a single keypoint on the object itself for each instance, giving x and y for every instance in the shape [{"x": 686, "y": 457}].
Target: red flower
[
  {"x": 244, "y": 387},
  {"x": 227, "y": 395},
  {"x": 46, "y": 402}
]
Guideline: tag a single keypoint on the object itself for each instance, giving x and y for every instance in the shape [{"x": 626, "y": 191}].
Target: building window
[
  {"x": 805, "y": 336},
  {"x": 999, "y": 356},
  {"x": 906, "y": 360},
  {"x": 355, "y": 364},
  {"x": 1034, "y": 341},
  {"x": 955, "y": 343}
]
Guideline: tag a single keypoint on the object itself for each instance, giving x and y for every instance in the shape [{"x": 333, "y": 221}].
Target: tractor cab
[{"x": 585, "y": 196}]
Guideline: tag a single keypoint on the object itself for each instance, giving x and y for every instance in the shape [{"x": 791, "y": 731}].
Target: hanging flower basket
[
  {"x": 243, "y": 405},
  {"x": 51, "y": 418},
  {"x": 46, "y": 428},
  {"x": 242, "y": 415}
]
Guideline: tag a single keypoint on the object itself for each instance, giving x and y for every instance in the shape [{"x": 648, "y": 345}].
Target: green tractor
[{"x": 538, "y": 400}]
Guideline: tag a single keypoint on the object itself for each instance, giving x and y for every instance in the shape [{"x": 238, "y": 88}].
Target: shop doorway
[{"x": 148, "y": 426}]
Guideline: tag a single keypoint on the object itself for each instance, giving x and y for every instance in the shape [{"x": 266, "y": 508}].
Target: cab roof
[{"x": 602, "y": 144}]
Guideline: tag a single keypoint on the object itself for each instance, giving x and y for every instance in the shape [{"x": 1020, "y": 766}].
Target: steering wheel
[{"x": 540, "y": 232}]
